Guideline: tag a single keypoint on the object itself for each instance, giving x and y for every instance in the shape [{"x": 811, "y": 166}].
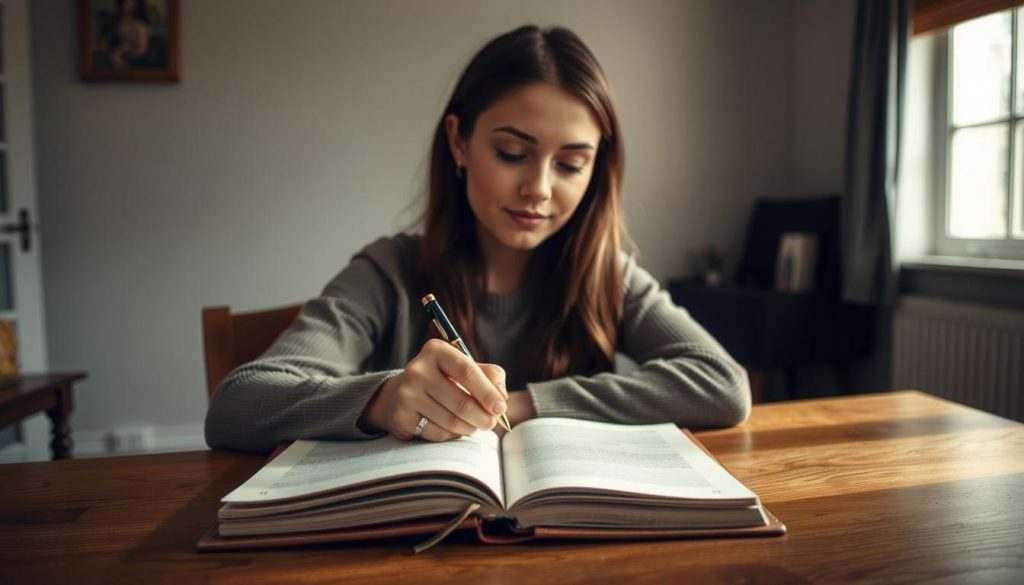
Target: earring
[{"x": 460, "y": 172}]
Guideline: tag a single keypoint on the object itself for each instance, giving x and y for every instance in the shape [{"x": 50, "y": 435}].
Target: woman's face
[{"x": 528, "y": 163}]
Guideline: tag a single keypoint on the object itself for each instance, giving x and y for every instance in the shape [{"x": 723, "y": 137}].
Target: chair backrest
[{"x": 232, "y": 339}]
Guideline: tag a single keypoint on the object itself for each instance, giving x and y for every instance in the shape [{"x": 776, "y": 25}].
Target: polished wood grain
[{"x": 887, "y": 488}]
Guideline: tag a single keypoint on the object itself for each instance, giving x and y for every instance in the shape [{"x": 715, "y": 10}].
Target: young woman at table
[{"x": 521, "y": 244}]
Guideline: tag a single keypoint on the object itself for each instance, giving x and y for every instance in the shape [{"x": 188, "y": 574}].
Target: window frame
[{"x": 1008, "y": 247}]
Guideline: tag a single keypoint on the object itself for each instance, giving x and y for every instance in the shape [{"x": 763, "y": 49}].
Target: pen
[{"x": 451, "y": 335}]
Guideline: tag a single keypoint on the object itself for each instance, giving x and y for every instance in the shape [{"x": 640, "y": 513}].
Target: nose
[{"x": 537, "y": 184}]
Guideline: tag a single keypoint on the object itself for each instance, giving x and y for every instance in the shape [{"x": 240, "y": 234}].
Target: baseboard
[
  {"x": 15, "y": 452},
  {"x": 164, "y": 439},
  {"x": 32, "y": 443}
]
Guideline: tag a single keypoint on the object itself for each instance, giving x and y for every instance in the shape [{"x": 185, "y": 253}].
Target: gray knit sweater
[{"x": 315, "y": 381}]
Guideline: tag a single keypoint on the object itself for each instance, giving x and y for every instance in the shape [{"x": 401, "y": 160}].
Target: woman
[
  {"x": 521, "y": 243},
  {"x": 127, "y": 33}
]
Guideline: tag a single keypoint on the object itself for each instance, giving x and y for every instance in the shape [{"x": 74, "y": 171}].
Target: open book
[{"x": 570, "y": 477}]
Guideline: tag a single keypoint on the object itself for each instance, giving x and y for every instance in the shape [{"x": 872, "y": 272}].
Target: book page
[
  {"x": 651, "y": 460},
  {"x": 310, "y": 467}
]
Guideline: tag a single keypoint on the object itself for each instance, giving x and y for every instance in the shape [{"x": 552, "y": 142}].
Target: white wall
[
  {"x": 299, "y": 133},
  {"x": 822, "y": 45}
]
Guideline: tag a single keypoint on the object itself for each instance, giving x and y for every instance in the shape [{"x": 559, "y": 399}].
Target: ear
[{"x": 455, "y": 142}]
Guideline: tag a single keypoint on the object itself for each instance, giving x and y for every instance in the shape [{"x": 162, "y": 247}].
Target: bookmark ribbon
[{"x": 472, "y": 507}]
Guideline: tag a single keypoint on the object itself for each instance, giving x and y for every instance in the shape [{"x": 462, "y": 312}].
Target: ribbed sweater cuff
[
  {"x": 351, "y": 395},
  {"x": 550, "y": 399}
]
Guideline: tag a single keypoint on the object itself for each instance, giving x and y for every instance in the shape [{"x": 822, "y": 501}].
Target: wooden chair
[{"x": 232, "y": 339}]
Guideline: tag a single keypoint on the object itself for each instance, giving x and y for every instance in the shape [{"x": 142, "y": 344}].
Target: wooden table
[
  {"x": 883, "y": 488},
  {"x": 29, "y": 394}
]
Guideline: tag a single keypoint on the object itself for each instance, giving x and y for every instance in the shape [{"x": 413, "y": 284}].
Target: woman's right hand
[{"x": 456, "y": 394}]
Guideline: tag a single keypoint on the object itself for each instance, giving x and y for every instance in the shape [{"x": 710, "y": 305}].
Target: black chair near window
[{"x": 767, "y": 330}]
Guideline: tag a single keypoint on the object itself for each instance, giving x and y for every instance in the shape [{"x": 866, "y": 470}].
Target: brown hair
[{"x": 577, "y": 270}]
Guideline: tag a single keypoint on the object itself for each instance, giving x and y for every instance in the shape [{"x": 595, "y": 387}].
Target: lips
[
  {"x": 526, "y": 218},
  {"x": 527, "y": 214}
]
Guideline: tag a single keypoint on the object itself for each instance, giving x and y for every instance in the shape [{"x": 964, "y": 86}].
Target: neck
[{"x": 504, "y": 267}]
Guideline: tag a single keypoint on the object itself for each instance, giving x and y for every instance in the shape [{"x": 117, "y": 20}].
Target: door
[{"x": 21, "y": 298}]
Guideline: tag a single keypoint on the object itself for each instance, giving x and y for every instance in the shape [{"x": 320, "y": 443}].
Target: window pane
[
  {"x": 981, "y": 69},
  {"x": 1018, "y": 183},
  {"x": 977, "y": 194},
  {"x": 1020, "y": 55}
]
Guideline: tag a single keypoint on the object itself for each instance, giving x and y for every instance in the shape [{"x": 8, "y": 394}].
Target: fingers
[
  {"x": 434, "y": 430},
  {"x": 468, "y": 374},
  {"x": 405, "y": 425},
  {"x": 460, "y": 405},
  {"x": 415, "y": 398},
  {"x": 443, "y": 418},
  {"x": 436, "y": 434},
  {"x": 496, "y": 374},
  {"x": 457, "y": 395}
]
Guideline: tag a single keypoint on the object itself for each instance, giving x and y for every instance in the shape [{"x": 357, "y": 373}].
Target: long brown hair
[{"x": 577, "y": 270}]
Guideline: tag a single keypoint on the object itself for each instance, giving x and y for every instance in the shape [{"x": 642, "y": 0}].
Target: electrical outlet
[{"x": 130, "y": 440}]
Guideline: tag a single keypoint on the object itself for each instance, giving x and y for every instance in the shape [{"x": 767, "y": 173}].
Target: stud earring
[{"x": 460, "y": 172}]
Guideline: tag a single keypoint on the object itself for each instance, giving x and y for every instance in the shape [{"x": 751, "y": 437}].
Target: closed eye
[
  {"x": 517, "y": 158},
  {"x": 509, "y": 157}
]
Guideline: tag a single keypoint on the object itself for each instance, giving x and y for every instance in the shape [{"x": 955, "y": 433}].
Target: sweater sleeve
[
  {"x": 309, "y": 384},
  {"x": 685, "y": 376}
]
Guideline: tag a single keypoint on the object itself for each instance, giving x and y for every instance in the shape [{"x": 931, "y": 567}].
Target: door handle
[{"x": 24, "y": 227}]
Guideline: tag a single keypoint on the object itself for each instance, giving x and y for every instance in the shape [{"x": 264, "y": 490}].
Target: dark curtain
[{"x": 872, "y": 151}]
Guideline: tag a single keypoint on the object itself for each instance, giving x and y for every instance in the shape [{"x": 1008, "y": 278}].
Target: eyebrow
[{"x": 517, "y": 132}]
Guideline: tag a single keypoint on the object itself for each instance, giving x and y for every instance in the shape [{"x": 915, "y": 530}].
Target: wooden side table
[
  {"x": 767, "y": 330},
  {"x": 25, "y": 395}
]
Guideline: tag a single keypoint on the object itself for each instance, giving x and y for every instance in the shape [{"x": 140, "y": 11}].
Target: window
[{"x": 980, "y": 210}]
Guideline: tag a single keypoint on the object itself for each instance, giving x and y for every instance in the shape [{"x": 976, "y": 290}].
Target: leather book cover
[{"x": 212, "y": 541}]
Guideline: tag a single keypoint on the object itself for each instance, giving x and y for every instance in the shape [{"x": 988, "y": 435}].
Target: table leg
[{"x": 61, "y": 443}]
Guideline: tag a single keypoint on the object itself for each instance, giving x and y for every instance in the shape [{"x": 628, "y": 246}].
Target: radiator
[{"x": 970, "y": 354}]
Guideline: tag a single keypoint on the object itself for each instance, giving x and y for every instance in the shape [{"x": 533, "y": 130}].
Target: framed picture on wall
[{"x": 129, "y": 40}]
